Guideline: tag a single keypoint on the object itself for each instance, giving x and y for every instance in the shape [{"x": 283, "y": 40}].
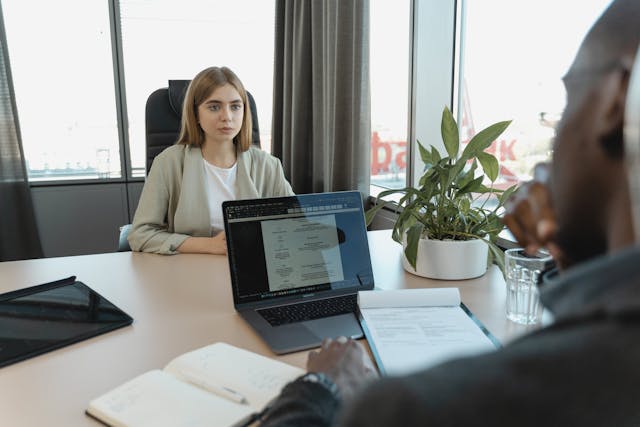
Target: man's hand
[
  {"x": 530, "y": 217},
  {"x": 344, "y": 361}
]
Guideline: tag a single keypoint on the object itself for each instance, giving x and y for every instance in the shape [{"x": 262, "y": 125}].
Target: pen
[
  {"x": 231, "y": 394},
  {"x": 220, "y": 390}
]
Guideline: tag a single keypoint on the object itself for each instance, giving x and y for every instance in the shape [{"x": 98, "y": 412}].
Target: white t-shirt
[{"x": 221, "y": 185}]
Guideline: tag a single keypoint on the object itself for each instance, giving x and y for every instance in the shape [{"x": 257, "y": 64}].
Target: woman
[{"x": 180, "y": 207}]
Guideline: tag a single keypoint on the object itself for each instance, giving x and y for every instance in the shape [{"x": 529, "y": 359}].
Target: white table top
[{"x": 179, "y": 303}]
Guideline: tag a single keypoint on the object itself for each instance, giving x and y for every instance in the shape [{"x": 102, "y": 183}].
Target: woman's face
[{"x": 220, "y": 115}]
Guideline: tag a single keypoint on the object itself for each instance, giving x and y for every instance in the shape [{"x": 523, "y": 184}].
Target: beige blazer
[{"x": 173, "y": 204}]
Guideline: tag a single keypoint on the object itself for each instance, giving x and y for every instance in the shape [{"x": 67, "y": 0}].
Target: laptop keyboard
[{"x": 317, "y": 309}]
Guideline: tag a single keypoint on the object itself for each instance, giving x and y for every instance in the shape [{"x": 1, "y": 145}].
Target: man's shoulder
[{"x": 609, "y": 283}]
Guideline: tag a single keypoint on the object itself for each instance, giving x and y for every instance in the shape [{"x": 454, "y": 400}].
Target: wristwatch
[{"x": 323, "y": 380}]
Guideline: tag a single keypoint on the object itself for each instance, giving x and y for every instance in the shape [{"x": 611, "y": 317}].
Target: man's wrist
[{"x": 322, "y": 380}]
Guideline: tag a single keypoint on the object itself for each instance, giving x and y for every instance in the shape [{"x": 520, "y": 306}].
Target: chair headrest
[{"x": 177, "y": 91}]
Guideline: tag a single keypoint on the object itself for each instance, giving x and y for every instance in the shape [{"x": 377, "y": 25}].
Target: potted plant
[{"x": 448, "y": 225}]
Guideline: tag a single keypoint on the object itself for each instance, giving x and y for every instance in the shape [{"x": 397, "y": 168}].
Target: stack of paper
[{"x": 413, "y": 329}]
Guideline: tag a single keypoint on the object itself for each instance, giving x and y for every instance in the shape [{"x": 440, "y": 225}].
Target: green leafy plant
[{"x": 450, "y": 202}]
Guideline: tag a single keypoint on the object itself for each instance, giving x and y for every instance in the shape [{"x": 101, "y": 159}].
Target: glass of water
[{"x": 524, "y": 272}]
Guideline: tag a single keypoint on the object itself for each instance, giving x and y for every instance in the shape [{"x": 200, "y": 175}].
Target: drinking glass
[{"x": 524, "y": 273}]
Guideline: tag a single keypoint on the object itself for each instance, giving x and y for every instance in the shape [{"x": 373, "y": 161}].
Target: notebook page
[
  {"x": 158, "y": 399},
  {"x": 255, "y": 377}
]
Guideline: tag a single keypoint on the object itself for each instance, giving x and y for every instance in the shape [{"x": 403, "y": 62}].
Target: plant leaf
[
  {"x": 371, "y": 213},
  {"x": 380, "y": 203},
  {"x": 435, "y": 155},
  {"x": 483, "y": 189},
  {"x": 483, "y": 139},
  {"x": 472, "y": 187},
  {"x": 468, "y": 175},
  {"x": 449, "y": 130},
  {"x": 498, "y": 256},
  {"x": 425, "y": 155},
  {"x": 465, "y": 205},
  {"x": 506, "y": 194},
  {"x": 413, "y": 238},
  {"x": 489, "y": 165}
]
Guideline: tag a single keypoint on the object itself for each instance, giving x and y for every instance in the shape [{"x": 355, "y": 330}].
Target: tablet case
[{"x": 42, "y": 318}]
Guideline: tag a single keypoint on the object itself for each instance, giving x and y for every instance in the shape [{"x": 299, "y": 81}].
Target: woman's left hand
[
  {"x": 216, "y": 245},
  {"x": 219, "y": 244}
]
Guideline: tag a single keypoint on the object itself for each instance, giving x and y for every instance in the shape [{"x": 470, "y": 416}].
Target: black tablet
[{"x": 42, "y": 318}]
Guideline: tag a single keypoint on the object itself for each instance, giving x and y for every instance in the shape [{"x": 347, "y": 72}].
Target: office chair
[{"x": 163, "y": 113}]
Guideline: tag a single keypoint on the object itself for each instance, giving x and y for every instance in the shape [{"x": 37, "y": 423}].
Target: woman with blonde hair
[{"x": 213, "y": 160}]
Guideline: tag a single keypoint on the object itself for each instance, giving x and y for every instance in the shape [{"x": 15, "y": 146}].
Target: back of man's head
[
  {"x": 589, "y": 185},
  {"x": 616, "y": 33}
]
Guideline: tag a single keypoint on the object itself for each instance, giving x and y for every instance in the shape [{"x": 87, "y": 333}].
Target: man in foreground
[{"x": 582, "y": 369}]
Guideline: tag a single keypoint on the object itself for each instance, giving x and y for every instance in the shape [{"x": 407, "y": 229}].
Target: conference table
[{"x": 179, "y": 303}]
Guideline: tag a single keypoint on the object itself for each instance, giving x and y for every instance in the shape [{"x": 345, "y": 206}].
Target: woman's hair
[{"x": 200, "y": 88}]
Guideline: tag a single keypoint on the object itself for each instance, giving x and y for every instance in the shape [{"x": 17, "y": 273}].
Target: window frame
[
  {"x": 434, "y": 65},
  {"x": 120, "y": 91},
  {"x": 434, "y": 62}
]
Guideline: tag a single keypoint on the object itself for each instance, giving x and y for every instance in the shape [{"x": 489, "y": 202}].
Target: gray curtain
[
  {"x": 321, "y": 114},
  {"x": 18, "y": 232}
]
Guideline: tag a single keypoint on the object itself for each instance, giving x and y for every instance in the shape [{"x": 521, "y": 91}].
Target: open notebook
[
  {"x": 217, "y": 385},
  {"x": 413, "y": 329}
]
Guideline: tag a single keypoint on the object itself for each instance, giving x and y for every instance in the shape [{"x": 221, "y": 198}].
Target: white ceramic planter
[{"x": 449, "y": 259}]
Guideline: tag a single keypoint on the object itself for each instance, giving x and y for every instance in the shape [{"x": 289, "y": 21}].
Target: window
[
  {"x": 389, "y": 70},
  {"x": 64, "y": 87},
  {"x": 166, "y": 40},
  {"x": 514, "y": 56}
]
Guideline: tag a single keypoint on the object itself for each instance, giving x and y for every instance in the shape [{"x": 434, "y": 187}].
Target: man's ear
[{"x": 611, "y": 124}]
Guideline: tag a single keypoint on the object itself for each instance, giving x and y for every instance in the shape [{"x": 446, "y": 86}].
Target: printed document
[
  {"x": 302, "y": 252},
  {"x": 413, "y": 329}
]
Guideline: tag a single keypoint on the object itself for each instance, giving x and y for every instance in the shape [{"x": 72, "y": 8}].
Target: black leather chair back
[{"x": 163, "y": 113}]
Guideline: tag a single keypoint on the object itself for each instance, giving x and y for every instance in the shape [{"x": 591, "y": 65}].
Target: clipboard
[
  {"x": 388, "y": 359},
  {"x": 43, "y": 318}
]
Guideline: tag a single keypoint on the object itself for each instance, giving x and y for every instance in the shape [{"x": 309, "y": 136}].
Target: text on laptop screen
[{"x": 292, "y": 245}]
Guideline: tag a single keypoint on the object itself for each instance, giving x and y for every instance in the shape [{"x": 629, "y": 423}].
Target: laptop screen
[{"x": 304, "y": 244}]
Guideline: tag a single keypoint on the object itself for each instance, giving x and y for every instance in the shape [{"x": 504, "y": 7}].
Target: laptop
[{"x": 297, "y": 264}]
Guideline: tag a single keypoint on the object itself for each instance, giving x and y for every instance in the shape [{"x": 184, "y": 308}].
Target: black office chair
[{"x": 163, "y": 113}]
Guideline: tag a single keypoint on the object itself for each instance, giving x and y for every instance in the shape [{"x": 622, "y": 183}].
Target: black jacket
[{"x": 583, "y": 370}]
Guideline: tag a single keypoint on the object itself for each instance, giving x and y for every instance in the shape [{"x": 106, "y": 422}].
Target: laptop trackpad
[
  {"x": 309, "y": 334},
  {"x": 332, "y": 327}
]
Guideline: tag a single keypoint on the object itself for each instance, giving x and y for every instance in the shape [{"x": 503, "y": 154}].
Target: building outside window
[
  {"x": 64, "y": 88},
  {"x": 513, "y": 59},
  {"x": 389, "y": 70},
  {"x": 167, "y": 40}
]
